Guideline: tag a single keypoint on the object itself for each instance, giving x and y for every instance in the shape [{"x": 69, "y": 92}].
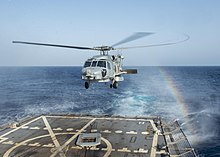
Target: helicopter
[{"x": 104, "y": 67}]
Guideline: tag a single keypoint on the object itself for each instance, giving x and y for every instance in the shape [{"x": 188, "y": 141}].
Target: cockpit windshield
[
  {"x": 87, "y": 64},
  {"x": 101, "y": 64},
  {"x": 95, "y": 64}
]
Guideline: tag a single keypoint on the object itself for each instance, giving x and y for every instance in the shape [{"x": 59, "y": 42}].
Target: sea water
[{"x": 189, "y": 94}]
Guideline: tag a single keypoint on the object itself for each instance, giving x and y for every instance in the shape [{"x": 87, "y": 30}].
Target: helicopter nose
[
  {"x": 88, "y": 72},
  {"x": 92, "y": 74}
]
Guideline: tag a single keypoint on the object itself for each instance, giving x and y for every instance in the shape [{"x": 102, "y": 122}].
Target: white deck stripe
[
  {"x": 124, "y": 150},
  {"x": 3, "y": 139},
  {"x": 7, "y": 133},
  {"x": 34, "y": 128},
  {"x": 155, "y": 139},
  {"x": 8, "y": 142},
  {"x": 53, "y": 137},
  {"x": 106, "y": 118},
  {"x": 29, "y": 140},
  {"x": 72, "y": 138},
  {"x": 109, "y": 147}
]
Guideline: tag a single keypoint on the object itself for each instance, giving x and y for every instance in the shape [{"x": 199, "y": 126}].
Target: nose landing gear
[{"x": 86, "y": 85}]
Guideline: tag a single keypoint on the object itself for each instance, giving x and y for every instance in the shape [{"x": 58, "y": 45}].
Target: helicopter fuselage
[{"x": 103, "y": 68}]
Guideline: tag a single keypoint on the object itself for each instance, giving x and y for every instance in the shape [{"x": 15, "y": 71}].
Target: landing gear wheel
[
  {"x": 86, "y": 85},
  {"x": 111, "y": 85},
  {"x": 115, "y": 85}
]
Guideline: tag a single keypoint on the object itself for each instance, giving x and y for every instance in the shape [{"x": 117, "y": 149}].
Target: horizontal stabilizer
[{"x": 130, "y": 71}]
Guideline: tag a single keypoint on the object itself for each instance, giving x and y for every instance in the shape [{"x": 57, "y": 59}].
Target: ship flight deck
[{"x": 94, "y": 136}]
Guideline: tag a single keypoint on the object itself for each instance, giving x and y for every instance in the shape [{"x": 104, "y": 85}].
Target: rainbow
[
  {"x": 175, "y": 91},
  {"x": 172, "y": 87}
]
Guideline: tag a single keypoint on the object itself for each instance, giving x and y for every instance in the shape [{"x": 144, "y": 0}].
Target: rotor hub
[{"x": 104, "y": 49}]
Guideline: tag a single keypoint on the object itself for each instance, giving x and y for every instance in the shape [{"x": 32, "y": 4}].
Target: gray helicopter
[{"x": 105, "y": 67}]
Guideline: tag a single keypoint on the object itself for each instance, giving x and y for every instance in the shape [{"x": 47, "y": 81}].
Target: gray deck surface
[{"x": 56, "y": 136}]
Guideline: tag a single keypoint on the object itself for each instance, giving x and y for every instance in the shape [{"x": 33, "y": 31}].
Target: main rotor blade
[
  {"x": 54, "y": 45},
  {"x": 154, "y": 45},
  {"x": 134, "y": 36}
]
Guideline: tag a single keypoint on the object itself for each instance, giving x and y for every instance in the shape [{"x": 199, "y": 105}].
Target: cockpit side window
[
  {"x": 109, "y": 66},
  {"x": 94, "y": 63},
  {"x": 87, "y": 64},
  {"x": 101, "y": 64}
]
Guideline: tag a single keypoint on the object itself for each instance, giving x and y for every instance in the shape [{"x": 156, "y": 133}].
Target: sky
[{"x": 100, "y": 22}]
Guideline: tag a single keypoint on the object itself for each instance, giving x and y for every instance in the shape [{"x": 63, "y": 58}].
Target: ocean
[{"x": 189, "y": 94}]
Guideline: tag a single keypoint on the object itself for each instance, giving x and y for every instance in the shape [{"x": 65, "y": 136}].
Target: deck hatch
[{"x": 89, "y": 139}]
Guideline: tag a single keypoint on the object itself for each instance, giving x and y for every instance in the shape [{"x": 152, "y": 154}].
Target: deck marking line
[
  {"x": 69, "y": 129},
  {"x": 57, "y": 129},
  {"x": 118, "y": 131},
  {"x": 141, "y": 150},
  {"x": 3, "y": 139},
  {"x": 145, "y": 133},
  {"x": 76, "y": 147},
  {"x": 34, "y": 128},
  {"x": 49, "y": 145},
  {"x": 155, "y": 139},
  {"x": 109, "y": 147},
  {"x": 80, "y": 130},
  {"x": 7, "y": 133},
  {"x": 131, "y": 132},
  {"x": 94, "y": 130},
  {"x": 94, "y": 148},
  {"x": 8, "y": 142},
  {"x": 106, "y": 131},
  {"x": 25, "y": 127},
  {"x": 28, "y": 140},
  {"x": 111, "y": 118},
  {"x": 72, "y": 138},
  {"x": 124, "y": 150},
  {"x": 53, "y": 137},
  {"x": 34, "y": 144}
]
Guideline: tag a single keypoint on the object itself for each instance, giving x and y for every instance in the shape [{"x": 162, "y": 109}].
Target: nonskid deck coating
[{"x": 57, "y": 135}]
